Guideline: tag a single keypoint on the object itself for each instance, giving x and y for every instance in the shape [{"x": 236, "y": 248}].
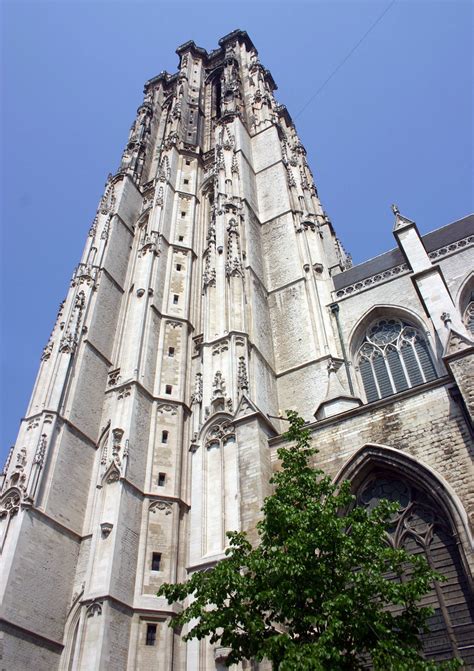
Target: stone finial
[{"x": 400, "y": 220}]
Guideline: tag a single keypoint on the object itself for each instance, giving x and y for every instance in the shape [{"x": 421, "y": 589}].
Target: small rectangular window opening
[
  {"x": 178, "y": 266},
  {"x": 188, "y": 162},
  {"x": 168, "y": 389},
  {"x": 180, "y": 238},
  {"x": 175, "y": 299},
  {"x": 170, "y": 351},
  {"x": 186, "y": 181},
  {"x": 161, "y": 479},
  {"x": 164, "y": 436},
  {"x": 151, "y": 634},
  {"x": 155, "y": 561},
  {"x": 183, "y": 214}
]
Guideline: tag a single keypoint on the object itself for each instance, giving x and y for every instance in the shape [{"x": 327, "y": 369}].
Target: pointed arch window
[
  {"x": 422, "y": 527},
  {"x": 394, "y": 356}
]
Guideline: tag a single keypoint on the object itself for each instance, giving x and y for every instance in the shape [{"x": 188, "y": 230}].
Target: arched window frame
[
  {"x": 394, "y": 359},
  {"x": 465, "y": 303},
  {"x": 468, "y": 316},
  {"x": 373, "y": 462}
]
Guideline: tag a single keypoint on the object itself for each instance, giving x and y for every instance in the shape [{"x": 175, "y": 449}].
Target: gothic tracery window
[
  {"x": 468, "y": 316},
  {"x": 393, "y": 357},
  {"x": 422, "y": 527}
]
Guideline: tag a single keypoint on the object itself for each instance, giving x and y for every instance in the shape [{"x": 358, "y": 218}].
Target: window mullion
[
  {"x": 377, "y": 386},
  {"x": 402, "y": 361},
  {"x": 389, "y": 371},
  {"x": 420, "y": 367}
]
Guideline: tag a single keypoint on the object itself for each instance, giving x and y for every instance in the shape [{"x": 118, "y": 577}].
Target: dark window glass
[{"x": 151, "y": 634}]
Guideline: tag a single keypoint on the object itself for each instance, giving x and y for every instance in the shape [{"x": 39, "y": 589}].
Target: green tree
[{"x": 322, "y": 591}]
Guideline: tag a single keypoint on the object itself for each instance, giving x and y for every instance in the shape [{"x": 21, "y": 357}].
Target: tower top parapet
[
  {"x": 211, "y": 58},
  {"x": 240, "y": 35}
]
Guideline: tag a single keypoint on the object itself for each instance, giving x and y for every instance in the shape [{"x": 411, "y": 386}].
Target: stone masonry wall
[{"x": 428, "y": 425}]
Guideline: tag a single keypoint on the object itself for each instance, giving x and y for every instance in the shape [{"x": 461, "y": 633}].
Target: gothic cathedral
[{"x": 212, "y": 295}]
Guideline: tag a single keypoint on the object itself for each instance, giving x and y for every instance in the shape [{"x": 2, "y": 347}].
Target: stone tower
[{"x": 206, "y": 299}]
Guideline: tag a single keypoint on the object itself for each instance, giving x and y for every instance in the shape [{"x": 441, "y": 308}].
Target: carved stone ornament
[
  {"x": 244, "y": 408},
  {"x": 452, "y": 247},
  {"x": 196, "y": 396},
  {"x": 235, "y": 166},
  {"x": 242, "y": 379},
  {"x": 32, "y": 424},
  {"x": 219, "y": 434},
  {"x": 117, "y": 435},
  {"x": 10, "y": 502},
  {"x": 45, "y": 355},
  {"x": 161, "y": 506},
  {"x": 95, "y": 609},
  {"x": 218, "y": 384},
  {"x": 124, "y": 392},
  {"x": 108, "y": 199},
  {"x": 41, "y": 450},
  {"x": 112, "y": 474},
  {"x": 114, "y": 377},
  {"x": 220, "y": 347},
  {"x": 8, "y": 461},
  {"x": 400, "y": 220},
  {"x": 167, "y": 408},
  {"x": 159, "y": 196},
  {"x": 456, "y": 343},
  {"x": 106, "y": 528},
  {"x": 198, "y": 341}
]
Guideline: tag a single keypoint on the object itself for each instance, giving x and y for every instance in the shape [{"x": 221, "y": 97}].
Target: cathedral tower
[{"x": 205, "y": 301}]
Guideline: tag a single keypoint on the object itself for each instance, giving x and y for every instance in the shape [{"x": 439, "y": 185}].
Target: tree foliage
[{"x": 322, "y": 591}]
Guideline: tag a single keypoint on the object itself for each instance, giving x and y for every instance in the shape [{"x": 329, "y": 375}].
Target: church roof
[{"x": 434, "y": 240}]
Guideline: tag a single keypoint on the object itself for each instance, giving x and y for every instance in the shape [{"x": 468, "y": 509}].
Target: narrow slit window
[
  {"x": 171, "y": 351},
  {"x": 161, "y": 479},
  {"x": 150, "y": 634},
  {"x": 175, "y": 299},
  {"x": 164, "y": 436},
  {"x": 168, "y": 389},
  {"x": 183, "y": 214},
  {"x": 156, "y": 561}
]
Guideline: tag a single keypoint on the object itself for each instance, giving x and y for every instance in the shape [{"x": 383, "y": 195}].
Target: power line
[{"x": 346, "y": 58}]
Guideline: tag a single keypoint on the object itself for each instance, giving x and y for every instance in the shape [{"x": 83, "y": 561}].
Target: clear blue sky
[{"x": 394, "y": 124}]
